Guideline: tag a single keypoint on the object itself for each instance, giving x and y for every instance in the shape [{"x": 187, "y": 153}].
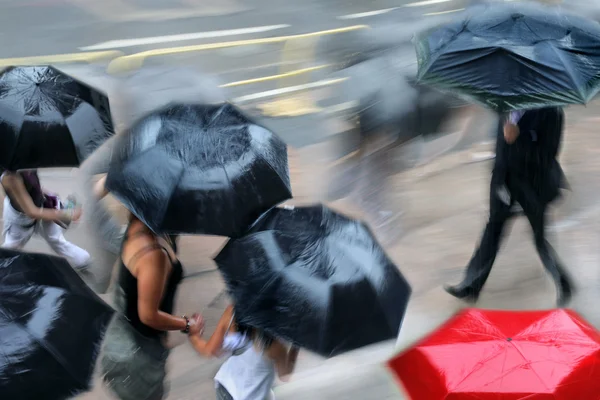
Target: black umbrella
[
  {"x": 49, "y": 119},
  {"x": 514, "y": 57},
  {"x": 206, "y": 169},
  {"x": 316, "y": 278},
  {"x": 51, "y": 328}
]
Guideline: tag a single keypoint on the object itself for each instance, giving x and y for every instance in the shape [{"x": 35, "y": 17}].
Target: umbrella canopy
[
  {"x": 199, "y": 169},
  {"x": 514, "y": 56},
  {"x": 508, "y": 355},
  {"x": 316, "y": 278},
  {"x": 51, "y": 328},
  {"x": 49, "y": 119}
]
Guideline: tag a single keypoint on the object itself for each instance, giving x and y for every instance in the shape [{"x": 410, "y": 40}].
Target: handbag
[{"x": 51, "y": 201}]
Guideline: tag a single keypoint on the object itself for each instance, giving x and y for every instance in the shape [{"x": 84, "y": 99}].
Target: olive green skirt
[{"x": 133, "y": 366}]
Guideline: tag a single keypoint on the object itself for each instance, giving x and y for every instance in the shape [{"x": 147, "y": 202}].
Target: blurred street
[{"x": 446, "y": 206}]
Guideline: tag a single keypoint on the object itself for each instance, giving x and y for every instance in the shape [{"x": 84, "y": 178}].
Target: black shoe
[
  {"x": 462, "y": 292},
  {"x": 564, "y": 292}
]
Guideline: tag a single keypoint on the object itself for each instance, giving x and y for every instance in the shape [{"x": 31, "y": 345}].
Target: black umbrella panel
[
  {"x": 49, "y": 119},
  {"x": 51, "y": 328},
  {"x": 514, "y": 56},
  {"x": 199, "y": 169},
  {"x": 315, "y": 278}
]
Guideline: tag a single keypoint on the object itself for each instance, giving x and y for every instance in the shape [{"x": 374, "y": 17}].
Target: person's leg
[
  {"x": 481, "y": 263},
  {"x": 536, "y": 214},
  {"x": 16, "y": 234},
  {"x": 53, "y": 235},
  {"x": 382, "y": 210},
  {"x": 16, "y": 237}
]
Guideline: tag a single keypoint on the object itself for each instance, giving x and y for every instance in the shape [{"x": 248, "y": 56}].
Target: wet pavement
[{"x": 444, "y": 205}]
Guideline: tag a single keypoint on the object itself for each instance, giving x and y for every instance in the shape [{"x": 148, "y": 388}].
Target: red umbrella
[{"x": 504, "y": 355}]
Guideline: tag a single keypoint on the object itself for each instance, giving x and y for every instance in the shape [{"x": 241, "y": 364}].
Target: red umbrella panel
[{"x": 504, "y": 355}]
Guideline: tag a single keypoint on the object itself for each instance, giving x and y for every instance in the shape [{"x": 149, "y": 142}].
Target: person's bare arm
[
  {"x": 99, "y": 217},
  {"x": 14, "y": 185},
  {"x": 211, "y": 348},
  {"x": 100, "y": 190},
  {"x": 284, "y": 358},
  {"x": 152, "y": 276},
  {"x": 292, "y": 357}
]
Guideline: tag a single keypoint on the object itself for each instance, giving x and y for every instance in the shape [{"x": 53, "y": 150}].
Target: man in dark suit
[{"x": 526, "y": 173}]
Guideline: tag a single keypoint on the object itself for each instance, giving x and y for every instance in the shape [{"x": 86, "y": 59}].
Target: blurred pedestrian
[
  {"x": 102, "y": 224},
  {"x": 28, "y": 210},
  {"x": 254, "y": 359},
  {"x": 390, "y": 116},
  {"x": 143, "y": 92},
  {"x": 135, "y": 350},
  {"x": 526, "y": 173}
]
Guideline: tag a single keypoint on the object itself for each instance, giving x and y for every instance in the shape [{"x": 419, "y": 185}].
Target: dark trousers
[{"x": 483, "y": 259}]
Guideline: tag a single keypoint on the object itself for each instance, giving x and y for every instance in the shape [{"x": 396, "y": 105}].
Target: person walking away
[
  {"x": 526, "y": 173},
  {"x": 28, "y": 210},
  {"x": 254, "y": 359},
  {"x": 135, "y": 350}
]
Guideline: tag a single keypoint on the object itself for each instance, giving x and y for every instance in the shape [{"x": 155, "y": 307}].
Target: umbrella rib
[
  {"x": 481, "y": 365},
  {"x": 531, "y": 365},
  {"x": 272, "y": 168},
  {"x": 569, "y": 71},
  {"x": 168, "y": 203}
]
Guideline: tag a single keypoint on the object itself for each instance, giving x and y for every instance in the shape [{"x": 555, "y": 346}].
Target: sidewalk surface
[{"x": 446, "y": 207}]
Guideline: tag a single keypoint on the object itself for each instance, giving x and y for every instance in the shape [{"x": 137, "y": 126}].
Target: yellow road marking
[
  {"x": 274, "y": 77},
  {"x": 290, "y": 107},
  {"x": 135, "y": 61},
  {"x": 88, "y": 57}
]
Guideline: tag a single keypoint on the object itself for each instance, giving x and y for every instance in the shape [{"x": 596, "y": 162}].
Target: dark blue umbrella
[{"x": 514, "y": 57}]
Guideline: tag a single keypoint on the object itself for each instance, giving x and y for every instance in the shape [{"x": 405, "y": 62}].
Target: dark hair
[{"x": 258, "y": 336}]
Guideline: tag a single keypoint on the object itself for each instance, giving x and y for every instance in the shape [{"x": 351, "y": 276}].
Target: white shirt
[{"x": 248, "y": 376}]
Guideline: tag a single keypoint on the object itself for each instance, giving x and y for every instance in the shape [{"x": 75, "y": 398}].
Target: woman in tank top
[
  {"x": 28, "y": 210},
  {"x": 135, "y": 352},
  {"x": 253, "y": 361}
]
